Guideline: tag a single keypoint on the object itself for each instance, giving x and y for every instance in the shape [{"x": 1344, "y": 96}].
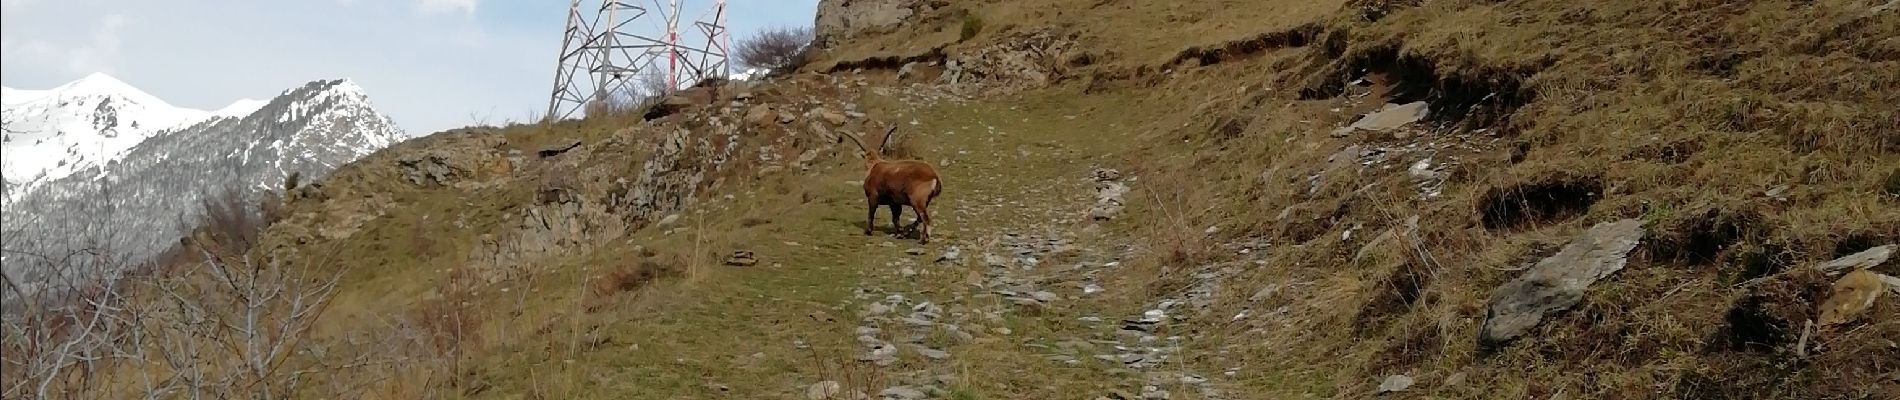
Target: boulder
[
  {"x": 902, "y": 393},
  {"x": 1851, "y": 296},
  {"x": 312, "y": 191},
  {"x": 692, "y": 97},
  {"x": 840, "y": 19},
  {"x": 1558, "y": 282},
  {"x": 680, "y": 101},
  {"x": 822, "y": 390},
  {"x": 832, "y": 117},
  {"x": 1395, "y": 383},
  {"x": 430, "y": 169},
  {"x": 760, "y": 115}
]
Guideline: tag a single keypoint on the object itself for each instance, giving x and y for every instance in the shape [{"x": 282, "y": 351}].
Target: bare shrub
[
  {"x": 228, "y": 220},
  {"x": 227, "y": 326},
  {"x": 291, "y": 182},
  {"x": 972, "y": 25},
  {"x": 450, "y": 320},
  {"x": 271, "y": 208},
  {"x": 631, "y": 99},
  {"x": 1893, "y": 183},
  {"x": 633, "y": 275},
  {"x": 203, "y": 319},
  {"x": 776, "y": 49},
  {"x": 654, "y": 85}
]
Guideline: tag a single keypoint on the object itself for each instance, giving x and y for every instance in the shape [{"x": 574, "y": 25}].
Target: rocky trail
[
  {"x": 1007, "y": 302},
  {"x": 1009, "y": 293}
]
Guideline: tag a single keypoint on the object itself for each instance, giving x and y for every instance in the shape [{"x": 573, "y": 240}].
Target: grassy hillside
[
  {"x": 1754, "y": 139},
  {"x": 1264, "y": 253}
]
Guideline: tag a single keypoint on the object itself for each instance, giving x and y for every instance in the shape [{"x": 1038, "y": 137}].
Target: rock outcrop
[
  {"x": 1021, "y": 61},
  {"x": 841, "y": 19}
]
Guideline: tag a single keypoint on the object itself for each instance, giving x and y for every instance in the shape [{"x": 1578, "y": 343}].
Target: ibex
[{"x": 897, "y": 183}]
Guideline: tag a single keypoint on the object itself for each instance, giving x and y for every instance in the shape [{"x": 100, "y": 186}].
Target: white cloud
[
  {"x": 103, "y": 53},
  {"x": 100, "y": 54},
  {"x": 429, "y": 7}
]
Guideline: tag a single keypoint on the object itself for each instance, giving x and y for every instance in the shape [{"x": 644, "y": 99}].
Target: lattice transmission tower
[{"x": 619, "y": 50}]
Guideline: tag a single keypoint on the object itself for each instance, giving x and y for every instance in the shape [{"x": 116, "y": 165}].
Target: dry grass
[{"x": 1559, "y": 115}]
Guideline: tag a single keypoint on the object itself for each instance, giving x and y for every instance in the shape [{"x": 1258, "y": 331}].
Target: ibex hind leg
[
  {"x": 923, "y": 218},
  {"x": 870, "y": 219},
  {"x": 923, "y": 235},
  {"x": 897, "y": 214}
]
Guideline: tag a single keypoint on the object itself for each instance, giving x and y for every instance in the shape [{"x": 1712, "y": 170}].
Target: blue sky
[{"x": 430, "y": 64}]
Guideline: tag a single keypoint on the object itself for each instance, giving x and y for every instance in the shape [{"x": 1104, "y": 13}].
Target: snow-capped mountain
[
  {"x": 135, "y": 204},
  {"x": 81, "y": 125}
]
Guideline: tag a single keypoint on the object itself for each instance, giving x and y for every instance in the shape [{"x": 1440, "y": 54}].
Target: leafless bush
[
  {"x": 631, "y": 99},
  {"x": 229, "y": 221},
  {"x": 225, "y": 326},
  {"x": 776, "y": 49},
  {"x": 62, "y": 332},
  {"x": 635, "y": 274},
  {"x": 271, "y": 208},
  {"x": 216, "y": 323}
]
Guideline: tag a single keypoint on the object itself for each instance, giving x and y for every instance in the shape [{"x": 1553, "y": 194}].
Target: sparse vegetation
[
  {"x": 776, "y": 49},
  {"x": 1375, "y": 252},
  {"x": 1893, "y": 183},
  {"x": 972, "y": 24},
  {"x": 232, "y": 223}
]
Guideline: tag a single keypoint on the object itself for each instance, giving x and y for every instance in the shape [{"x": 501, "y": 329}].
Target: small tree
[
  {"x": 229, "y": 220},
  {"x": 972, "y": 25},
  {"x": 776, "y": 49},
  {"x": 291, "y": 182}
]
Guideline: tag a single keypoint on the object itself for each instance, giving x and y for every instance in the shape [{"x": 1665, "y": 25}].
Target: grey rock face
[
  {"x": 1558, "y": 282},
  {"x": 839, "y": 19},
  {"x": 428, "y": 169}
]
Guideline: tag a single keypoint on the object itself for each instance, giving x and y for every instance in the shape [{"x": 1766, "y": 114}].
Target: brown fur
[{"x": 898, "y": 183}]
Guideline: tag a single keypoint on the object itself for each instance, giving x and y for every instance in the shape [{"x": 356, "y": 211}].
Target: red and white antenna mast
[
  {"x": 673, "y": 42},
  {"x": 606, "y": 53}
]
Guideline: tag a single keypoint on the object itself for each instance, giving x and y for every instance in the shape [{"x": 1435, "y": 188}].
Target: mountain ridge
[
  {"x": 85, "y": 123},
  {"x": 148, "y": 190}
]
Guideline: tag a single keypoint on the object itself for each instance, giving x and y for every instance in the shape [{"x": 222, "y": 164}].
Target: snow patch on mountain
[
  {"x": 85, "y": 124},
  {"x": 240, "y": 108},
  {"x": 146, "y": 189}
]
